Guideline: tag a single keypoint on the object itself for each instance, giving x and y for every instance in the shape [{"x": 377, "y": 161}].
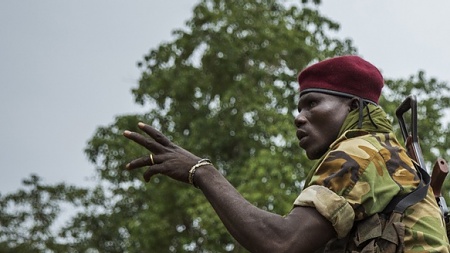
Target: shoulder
[
  {"x": 364, "y": 147},
  {"x": 351, "y": 140},
  {"x": 357, "y": 161},
  {"x": 351, "y": 154}
]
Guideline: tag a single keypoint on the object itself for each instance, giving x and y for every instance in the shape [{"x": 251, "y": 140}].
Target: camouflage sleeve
[{"x": 330, "y": 205}]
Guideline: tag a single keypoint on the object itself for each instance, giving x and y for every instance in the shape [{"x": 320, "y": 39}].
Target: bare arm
[{"x": 302, "y": 230}]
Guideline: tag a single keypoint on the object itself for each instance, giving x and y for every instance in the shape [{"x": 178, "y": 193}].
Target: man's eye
[{"x": 312, "y": 104}]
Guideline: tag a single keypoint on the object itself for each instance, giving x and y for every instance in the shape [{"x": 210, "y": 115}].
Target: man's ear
[{"x": 354, "y": 104}]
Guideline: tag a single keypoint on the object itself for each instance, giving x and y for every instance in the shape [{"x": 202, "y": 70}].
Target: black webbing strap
[{"x": 400, "y": 203}]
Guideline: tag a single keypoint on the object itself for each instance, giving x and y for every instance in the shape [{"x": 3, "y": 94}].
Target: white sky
[{"x": 67, "y": 67}]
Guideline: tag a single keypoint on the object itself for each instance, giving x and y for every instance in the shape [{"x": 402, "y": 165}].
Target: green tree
[
  {"x": 224, "y": 88},
  {"x": 27, "y": 216}
]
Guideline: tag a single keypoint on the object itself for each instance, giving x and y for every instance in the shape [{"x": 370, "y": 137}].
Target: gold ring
[{"x": 151, "y": 159}]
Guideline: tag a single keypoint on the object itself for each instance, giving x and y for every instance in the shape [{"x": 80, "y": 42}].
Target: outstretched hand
[{"x": 164, "y": 158}]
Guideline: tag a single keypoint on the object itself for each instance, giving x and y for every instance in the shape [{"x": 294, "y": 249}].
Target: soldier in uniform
[{"x": 361, "y": 169}]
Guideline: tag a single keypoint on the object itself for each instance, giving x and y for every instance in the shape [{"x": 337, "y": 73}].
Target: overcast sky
[{"x": 67, "y": 67}]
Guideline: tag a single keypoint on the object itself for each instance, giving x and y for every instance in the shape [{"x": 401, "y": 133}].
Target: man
[{"x": 360, "y": 168}]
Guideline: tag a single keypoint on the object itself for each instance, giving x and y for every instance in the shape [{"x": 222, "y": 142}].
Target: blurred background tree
[{"x": 225, "y": 88}]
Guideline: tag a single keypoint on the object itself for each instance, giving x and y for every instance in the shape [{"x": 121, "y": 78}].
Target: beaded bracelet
[{"x": 200, "y": 163}]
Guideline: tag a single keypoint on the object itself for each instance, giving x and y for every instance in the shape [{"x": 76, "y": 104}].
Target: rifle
[{"x": 440, "y": 168}]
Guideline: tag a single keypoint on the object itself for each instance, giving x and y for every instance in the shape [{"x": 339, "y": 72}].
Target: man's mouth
[{"x": 301, "y": 136}]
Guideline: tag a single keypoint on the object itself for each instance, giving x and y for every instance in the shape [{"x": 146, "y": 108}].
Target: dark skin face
[{"x": 319, "y": 121}]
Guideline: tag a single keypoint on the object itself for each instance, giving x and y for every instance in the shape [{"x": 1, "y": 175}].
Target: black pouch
[{"x": 378, "y": 233}]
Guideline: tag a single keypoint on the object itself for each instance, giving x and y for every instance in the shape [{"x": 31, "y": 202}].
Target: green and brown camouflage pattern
[{"x": 368, "y": 170}]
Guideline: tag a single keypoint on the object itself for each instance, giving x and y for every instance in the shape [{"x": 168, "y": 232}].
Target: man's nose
[{"x": 299, "y": 120}]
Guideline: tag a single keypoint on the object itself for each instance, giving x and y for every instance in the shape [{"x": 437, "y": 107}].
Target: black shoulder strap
[{"x": 400, "y": 203}]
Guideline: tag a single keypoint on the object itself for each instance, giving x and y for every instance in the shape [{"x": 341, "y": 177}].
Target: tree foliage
[{"x": 224, "y": 88}]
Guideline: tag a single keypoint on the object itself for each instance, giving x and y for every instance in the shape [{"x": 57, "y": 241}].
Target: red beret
[{"x": 343, "y": 76}]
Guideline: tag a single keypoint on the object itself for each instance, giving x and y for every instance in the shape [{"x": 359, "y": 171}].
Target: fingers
[
  {"x": 155, "y": 134},
  {"x": 164, "y": 158},
  {"x": 143, "y": 141},
  {"x": 138, "y": 163},
  {"x": 147, "y": 160},
  {"x": 150, "y": 172}
]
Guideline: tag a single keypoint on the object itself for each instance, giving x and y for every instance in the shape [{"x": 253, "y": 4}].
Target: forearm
[
  {"x": 258, "y": 230},
  {"x": 249, "y": 225}
]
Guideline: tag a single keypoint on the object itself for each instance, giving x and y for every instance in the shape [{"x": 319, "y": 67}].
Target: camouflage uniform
[{"x": 357, "y": 178}]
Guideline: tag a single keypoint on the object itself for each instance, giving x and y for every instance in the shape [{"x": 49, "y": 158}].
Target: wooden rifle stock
[{"x": 440, "y": 171}]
